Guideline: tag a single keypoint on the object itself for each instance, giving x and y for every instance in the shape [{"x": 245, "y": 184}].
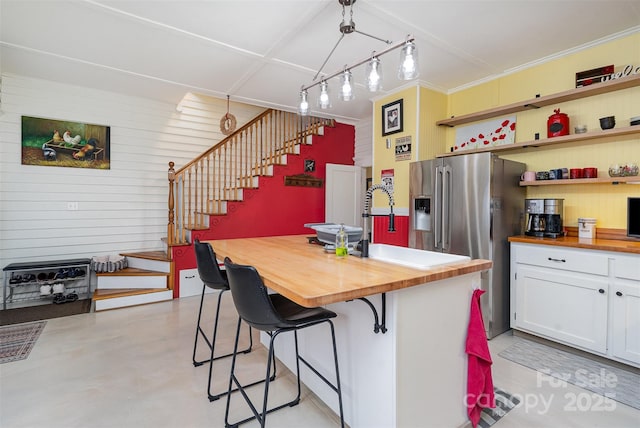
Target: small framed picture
[
  {"x": 309, "y": 165},
  {"x": 392, "y": 117}
]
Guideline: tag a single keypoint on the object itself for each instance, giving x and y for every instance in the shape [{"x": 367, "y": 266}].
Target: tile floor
[{"x": 132, "y": 368}]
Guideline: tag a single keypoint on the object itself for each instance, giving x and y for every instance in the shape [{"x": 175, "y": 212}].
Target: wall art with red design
[{"x": 486, "y": 134}]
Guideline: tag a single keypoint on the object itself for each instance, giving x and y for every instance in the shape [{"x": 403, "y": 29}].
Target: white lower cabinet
[
  {"x": 583, "y": 298},
  {"x": 625, "y": 308},
  {"x": 566, "y": 306}
]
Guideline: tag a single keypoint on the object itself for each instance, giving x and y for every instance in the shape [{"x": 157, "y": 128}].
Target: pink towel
[{"x": 479, "y": 382}]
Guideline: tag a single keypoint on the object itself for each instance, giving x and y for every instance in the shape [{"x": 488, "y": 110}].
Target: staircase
[
  {"x": 200, "y": 189},
  {"x": 203, "y": 187},
  {"x": 148, "y": 279}
]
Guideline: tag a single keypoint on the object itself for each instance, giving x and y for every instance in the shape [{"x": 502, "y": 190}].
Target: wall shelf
[
  {"x": 565, "y": 139},
  {"x": 534, "y": 103},
  {"x": 303, "y": 180},
  {"x": 600, "y": 180}
]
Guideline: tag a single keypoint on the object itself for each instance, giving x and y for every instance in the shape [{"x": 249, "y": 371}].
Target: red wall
[
  {"x": 381, "y": 234},
  {"x": 275, "y": 209}
]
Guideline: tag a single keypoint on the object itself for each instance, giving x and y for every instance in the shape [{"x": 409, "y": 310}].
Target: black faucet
[{"x": 364, "y": 243}]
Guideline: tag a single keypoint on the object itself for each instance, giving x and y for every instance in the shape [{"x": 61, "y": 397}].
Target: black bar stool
[
  {"x": 274, "y": 314},
  {"x": 213, "y": 277}
]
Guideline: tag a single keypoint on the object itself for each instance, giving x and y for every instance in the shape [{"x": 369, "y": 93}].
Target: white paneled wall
[
  {"x": 364, "y": 143},
  {"x": 120, "y": 209}
]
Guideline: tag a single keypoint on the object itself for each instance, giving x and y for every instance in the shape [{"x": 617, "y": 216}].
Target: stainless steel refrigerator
[{"x": 469, "y": 205}]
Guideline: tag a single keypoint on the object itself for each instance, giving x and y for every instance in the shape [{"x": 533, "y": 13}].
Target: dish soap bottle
[{"x": 342, "y": 242}]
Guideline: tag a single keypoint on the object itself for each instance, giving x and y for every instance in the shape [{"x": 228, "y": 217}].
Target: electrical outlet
[{"x": 72, "y": 206}]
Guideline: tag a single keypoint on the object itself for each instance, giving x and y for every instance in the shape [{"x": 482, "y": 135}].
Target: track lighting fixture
[
  {"x": 374, "y": 74},
  {"x": 303, "y": 107},
  {"x": 323, "y": 100},
  {"x": 346, "y": 89},
  {"x": 407, "y": 70}
]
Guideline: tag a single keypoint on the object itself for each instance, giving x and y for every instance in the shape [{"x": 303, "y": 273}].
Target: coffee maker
[
  {"x": 535, "y": 221},
  {"x": 553, "y": 212}
]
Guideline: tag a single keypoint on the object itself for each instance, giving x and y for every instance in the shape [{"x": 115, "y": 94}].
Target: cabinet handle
[
  {"x": 601, "y": 291},
  {"x": 557, "y": 260},
  {"x": 619, "y": 293}
]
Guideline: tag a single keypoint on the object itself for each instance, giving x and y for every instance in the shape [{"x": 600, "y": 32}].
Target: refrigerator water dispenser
[{"x": 422, "y": 214}]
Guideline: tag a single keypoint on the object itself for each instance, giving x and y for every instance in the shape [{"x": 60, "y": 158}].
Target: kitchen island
[{"x": 413, "y": 375}]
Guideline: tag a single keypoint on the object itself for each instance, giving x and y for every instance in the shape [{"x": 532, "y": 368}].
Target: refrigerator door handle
[
  {"x": 437, "y": 218},
  {"x": 446, "y": 216}
]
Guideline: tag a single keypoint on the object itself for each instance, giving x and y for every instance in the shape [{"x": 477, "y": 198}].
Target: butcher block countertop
[
  {"x": 309, "y": 276},
  {"x": 589, "y": 244}
]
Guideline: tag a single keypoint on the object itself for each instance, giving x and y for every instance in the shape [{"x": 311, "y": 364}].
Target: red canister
[{"x": 557, "y": 124}]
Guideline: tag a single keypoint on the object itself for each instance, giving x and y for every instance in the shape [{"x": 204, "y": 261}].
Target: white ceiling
[{"x": 261, "y": 52}]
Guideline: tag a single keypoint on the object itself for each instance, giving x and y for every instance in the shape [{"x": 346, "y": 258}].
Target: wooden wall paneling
[{"x": 123, "y": 209}]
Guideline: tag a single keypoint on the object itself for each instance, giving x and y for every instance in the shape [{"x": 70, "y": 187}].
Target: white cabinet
[
  {"x": 625, "y": 309},
  {"x": 190, "y": 283},
  {"x": 587, "y": 299},
  {"x": 566, "y": 306},
  {"x": 561, "y": 304}
]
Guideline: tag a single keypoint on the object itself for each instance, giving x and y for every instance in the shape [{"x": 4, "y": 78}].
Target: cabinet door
[
  {"x": 566, "y": 306},
  {"x": 625, "y": 330}
]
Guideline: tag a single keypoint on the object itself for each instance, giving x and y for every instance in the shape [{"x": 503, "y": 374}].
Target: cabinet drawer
[
  {"x": 584, "y": 261},
  {"x": 627, "y": 267}
]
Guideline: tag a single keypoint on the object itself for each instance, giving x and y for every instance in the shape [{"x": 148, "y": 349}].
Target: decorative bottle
[{"x": 342, "y": 242}]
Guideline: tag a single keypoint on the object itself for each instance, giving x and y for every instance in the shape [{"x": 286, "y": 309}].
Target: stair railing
[{"x": 202, "y": 187}]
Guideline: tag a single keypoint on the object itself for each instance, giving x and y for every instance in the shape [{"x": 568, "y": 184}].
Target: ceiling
[{"x": 263, "y": 51}]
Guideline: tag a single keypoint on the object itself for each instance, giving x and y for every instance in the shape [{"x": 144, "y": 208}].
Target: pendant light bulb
[
  {"x": 346, "y": 87},
  {"x": 374, "y": 75},
  {"x": 323, "y": 100},
  {"x": 408, "y": 69},
  {"x": 303, "y": 107}
]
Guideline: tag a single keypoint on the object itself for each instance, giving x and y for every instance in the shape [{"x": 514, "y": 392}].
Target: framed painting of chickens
[{"x": 51, "y": 142}]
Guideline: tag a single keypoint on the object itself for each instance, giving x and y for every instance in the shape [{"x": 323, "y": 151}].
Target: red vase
[{"x": 557, "y": 124}]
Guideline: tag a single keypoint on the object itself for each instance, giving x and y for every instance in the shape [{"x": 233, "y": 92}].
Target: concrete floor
[{"x": 131, "y": 368}]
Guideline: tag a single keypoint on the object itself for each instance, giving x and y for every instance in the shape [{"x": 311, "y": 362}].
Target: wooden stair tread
[
  {"x": 206, "y": 213},
  {"x": 200, "y": 227},
  {"x": 124, "y": 292},
  {"x": 149, "y": 255},
  {"x": 130, "y": 271}
]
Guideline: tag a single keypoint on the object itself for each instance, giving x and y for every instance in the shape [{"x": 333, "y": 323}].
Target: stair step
[
  {"x": 266, "y": 171},
  {"x": 150, "y": 261},
  {"x": 307, "y": 140},
  {"x": 124, "y": 292},
  {"x": 227, "y": 193},
  {"x": 206, "y": 213},
  {"x": 252, "y": 180},
  {"x": 125, "y": 297},
  {"x": 149, "y": 255},
  {"x": 131, "y": 271},
  {"x": 132, "y": 278},
  {"x": 282, "y": 161}
]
